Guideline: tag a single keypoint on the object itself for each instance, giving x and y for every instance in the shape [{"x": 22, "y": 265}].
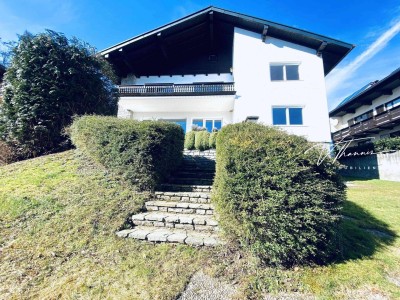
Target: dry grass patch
[{"x": 58, "y": 216}]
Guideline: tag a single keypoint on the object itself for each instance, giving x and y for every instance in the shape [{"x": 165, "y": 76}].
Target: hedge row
[
  {"x": 388, "y": 144},
  {"x": 273, "y": 197},
  {"x": 200, "y": 140},
  {"x": 144, "y": 152}
]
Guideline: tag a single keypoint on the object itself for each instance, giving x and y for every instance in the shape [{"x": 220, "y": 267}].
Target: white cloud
[{"x": 341, "y": 76}]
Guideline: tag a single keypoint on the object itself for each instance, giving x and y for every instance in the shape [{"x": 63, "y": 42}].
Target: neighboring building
[
  {"x": 216, "y": 67},
  {"x": 373, "y": 112}
]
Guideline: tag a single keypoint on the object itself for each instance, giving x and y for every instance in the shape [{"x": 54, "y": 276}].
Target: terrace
[
  {"x": 383, "y": 120},
  {"x": 194, "y": 89}
]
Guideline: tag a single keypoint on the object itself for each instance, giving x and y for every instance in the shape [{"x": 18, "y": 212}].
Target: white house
[
  {"x": 217, "y": 67},
  {"x": 372, "y": 112}
]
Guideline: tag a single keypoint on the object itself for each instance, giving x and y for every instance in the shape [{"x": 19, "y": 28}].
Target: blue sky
[{"x": 373, "y": 26}]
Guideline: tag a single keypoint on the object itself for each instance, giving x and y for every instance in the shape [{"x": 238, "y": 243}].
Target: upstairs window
[
  {"x": 280, "y": 72},
  {"x": 287, "y": 116},
  {"x": 393, "y": 103},
  {"x": 364, "y": 116}
]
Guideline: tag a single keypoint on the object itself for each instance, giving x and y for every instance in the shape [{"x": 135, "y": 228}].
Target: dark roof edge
[
  {"x": 393, "y": 75},
  {"x": 255, "y": 19},
  {"x": 156, "y": 30},
  {"x": 282, "y": 26}
]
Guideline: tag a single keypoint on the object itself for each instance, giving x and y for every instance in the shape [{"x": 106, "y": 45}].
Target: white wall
[
  {"x": 177, "y": 79},
  {"x": 226, "y": 117},
  {"x": 256, "y": 93},
  {"x": 178, "y": 107},
  {"x": 339, "y": 123}
]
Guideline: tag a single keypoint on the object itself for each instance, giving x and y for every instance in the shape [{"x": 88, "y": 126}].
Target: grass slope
[
  {"x": 57, "y": 224},
  {"x": 58, "y": 215}
]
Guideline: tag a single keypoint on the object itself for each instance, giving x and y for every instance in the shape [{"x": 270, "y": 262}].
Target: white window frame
[
  {"x": 284, "y": 64},
  {"x": 208, "y": 119},
  {"x": 287, "y": 115}
]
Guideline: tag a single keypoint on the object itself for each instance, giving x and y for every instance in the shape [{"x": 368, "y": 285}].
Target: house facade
[
  {"x": 217, "y": 67},
  {"x": 373, "y": 112}
]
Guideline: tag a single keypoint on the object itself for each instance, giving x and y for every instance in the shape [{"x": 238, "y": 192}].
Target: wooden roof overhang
[{"x": 203, "y": 43}]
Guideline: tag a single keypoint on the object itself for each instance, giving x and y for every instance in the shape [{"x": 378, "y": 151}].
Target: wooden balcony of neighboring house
[
  {"x": 384, "y": 120},
  {"x": 194, "y": 89}
]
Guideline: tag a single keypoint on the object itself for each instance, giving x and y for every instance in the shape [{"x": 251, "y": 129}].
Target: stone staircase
[{"x": 180, "y": 210}]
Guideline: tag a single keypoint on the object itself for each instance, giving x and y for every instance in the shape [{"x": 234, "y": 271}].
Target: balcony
[
  {"x": 384, "y": 120},
  {"x": 195, "y": 89}
]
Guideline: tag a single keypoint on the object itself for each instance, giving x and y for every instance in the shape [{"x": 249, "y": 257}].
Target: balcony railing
[
  {"x": 195, "y": 89},
  {"x": 380, "y": 121}
]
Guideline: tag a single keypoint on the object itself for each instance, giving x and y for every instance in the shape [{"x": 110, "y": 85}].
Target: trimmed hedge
[
  {"x": 204, "y": 140},
  {"x": 201, "y": 140},
  {"x": 272, "y": 196},
  {"x": 189, "y": 140},
  {"x": 144, "y": 152},
  {"x": 212, "y": 141},
  {"x": 388, "y": 144}
]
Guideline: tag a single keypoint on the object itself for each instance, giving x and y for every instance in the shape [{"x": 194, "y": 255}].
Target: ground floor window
[
  {"x": 287, "y": 116},
  {"x": 180, "y": 122},
  {"x": 209, "y": 124}
]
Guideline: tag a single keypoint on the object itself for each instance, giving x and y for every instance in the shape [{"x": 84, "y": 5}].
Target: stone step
[
  {"x": 205, "y": 171},
  {"x": 190, "y": 181},
  {"x": 199, "y": 157},
  {"x": 194, "y": 174},
  {"x": 171, "y": 235},
  {"x": 210, "y": 152},
  {"x": 191, "y": 197},
  {"x": 175, "y": 220},
  {"x": 170, "y": 187},
  {"x": 200, "y": 163},
  {"x": 180, "y": 207}
]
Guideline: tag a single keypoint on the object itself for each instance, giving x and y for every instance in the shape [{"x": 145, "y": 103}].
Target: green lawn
[
  {"x": 58, "y": 216},
  {"x": 371, "y": 245}
]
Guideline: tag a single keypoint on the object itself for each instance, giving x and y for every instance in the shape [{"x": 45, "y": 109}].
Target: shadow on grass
[
  {"x": 361, "y": 234},
  {"x": 351, "y": 178}
]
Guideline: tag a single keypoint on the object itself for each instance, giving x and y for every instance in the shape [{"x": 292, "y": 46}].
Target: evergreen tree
[{"x": 50, "y": 79}]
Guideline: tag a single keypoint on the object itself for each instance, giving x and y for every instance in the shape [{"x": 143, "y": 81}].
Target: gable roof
[
  {"x": 367, "y": 94},
  {"x": 333, "y": 51}
]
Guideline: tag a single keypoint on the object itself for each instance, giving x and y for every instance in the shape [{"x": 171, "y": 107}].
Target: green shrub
[
  {"x": 49, "y": 80},
  {"x": 212, "y": 141},
  {"x": 189, "y": 140},
  {"x": 387, "y": 144},
  {"x": 201, "y": 140},
  {"x": 144, "y": 152},
  {"x": 273, "y": 197}
]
